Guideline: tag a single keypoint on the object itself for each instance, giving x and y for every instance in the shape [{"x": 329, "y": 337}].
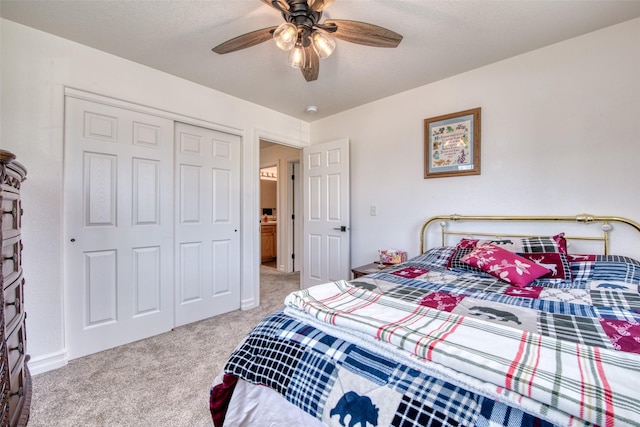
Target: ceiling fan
[{"x": 307, "y": 38}]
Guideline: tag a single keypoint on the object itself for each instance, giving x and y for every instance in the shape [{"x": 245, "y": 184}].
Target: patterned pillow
[
  {"x": 556, "y": 262},
  {"x": 455, "y": 262},
  {"x": 505, "y": 265},
  {"x": 545, "y": 244}
]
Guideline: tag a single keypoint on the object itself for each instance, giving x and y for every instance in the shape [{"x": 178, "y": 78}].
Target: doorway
[
  {"x": 269, "y": 216},
  {"x": 280, "y": 204}
]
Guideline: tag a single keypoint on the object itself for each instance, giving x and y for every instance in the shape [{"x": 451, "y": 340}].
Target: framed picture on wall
[{"x": 452, "y": 144}]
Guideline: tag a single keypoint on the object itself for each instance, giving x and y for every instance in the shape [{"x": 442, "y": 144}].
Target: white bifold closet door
[
  {"x": 151, "y": 216},
  {"x": 207, "y": 209}
]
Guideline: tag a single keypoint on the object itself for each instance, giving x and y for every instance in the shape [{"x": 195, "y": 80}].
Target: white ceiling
[{"x": 441, "y": 39}]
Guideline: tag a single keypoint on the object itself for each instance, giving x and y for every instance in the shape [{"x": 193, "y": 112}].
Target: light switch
[{"x": 373, "y": 211}]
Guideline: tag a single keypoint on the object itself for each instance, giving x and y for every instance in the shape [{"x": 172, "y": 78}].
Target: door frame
[
  {"x": 283, "y": 163},
  {"x": 254, "y": 203},
  {"x": 278, "y": 181},
  {"x": 294, "y": 168}
]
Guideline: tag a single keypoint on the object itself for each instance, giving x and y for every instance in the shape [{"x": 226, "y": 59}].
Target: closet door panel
[
  {"x": 221, "y": 196},
  {"x": 191, "y": 270},
  {"x": 100, "y": 288},
  {"x": 99, "y": 188},
  {"x": 146, "y": 280},
  {"x": 146, "y": 192},
  {"x": 190, "y": 198},
  {"x": 221, "y": 257}
]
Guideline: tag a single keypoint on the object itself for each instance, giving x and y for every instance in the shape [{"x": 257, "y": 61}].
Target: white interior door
[
  {"x": 325, "y": 171},
  {"x": 118, "y": 226},
  {"x": 207, "y": 235}
]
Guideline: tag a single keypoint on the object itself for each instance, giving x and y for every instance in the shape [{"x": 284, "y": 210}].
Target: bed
[{"x": 491, "y": 330}]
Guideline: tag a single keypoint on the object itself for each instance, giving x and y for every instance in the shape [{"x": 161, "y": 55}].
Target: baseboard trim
[
  {"x": 48, "y": 362},
  {"x": 248, "y": 304}
]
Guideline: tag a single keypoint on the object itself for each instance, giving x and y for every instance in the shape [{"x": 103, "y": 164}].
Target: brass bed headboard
[{"x": 582, "y": 218}]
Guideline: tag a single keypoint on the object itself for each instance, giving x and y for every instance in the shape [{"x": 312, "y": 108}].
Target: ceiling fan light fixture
[
  {"x": 322, "y": 44},
  {"x": 307, "y": 38},
  {"x": 297, "y": 57},
  {"x": 286, "y": 36}
]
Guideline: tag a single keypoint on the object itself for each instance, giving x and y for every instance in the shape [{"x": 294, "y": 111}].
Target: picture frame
[{"x": 452, "y": 144}]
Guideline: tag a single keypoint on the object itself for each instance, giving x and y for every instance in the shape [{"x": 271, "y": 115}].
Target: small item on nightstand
[
  {"x": 264, "y": 218},
  {"x": 392, "y": 256}
]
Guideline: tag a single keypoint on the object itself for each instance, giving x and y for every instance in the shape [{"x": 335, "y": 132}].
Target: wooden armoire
[{"x": 15, "y": 389}]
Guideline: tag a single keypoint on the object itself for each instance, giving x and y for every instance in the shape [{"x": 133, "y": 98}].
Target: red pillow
[{"x": 505, "y": 265}]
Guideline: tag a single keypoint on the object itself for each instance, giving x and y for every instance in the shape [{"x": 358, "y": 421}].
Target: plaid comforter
[{"x": 419, "y": 344}]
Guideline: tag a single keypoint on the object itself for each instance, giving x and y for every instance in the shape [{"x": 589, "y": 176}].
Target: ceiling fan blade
[
  {"x": 319, "y": 5},
  {"x": 246, "y": 40},
  {"x": 312, "y": 66},
  {"x": 280, "y": 5},
  {"x": 364, "y": 33}
]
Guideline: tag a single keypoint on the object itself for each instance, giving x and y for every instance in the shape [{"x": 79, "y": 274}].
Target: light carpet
[{"x": 159, "y": 381}]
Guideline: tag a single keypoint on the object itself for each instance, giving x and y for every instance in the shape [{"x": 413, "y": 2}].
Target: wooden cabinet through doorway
[{"x": 268, "y": 242}]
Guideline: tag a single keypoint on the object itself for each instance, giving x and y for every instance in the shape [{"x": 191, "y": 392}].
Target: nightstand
[{"x": 366, "y": 269}]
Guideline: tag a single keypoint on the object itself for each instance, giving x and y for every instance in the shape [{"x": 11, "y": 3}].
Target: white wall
[
  {"x": 36, "y": 67},
  {"x": 559, "y": 136}
]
